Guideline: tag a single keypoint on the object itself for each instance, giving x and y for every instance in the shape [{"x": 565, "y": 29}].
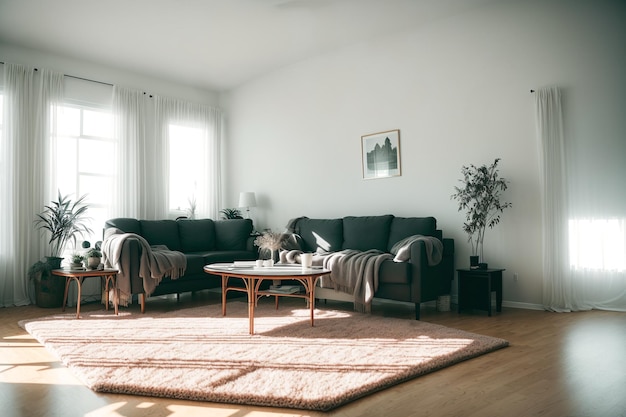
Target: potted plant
[
  {"x": 48, "y": 289},
  {"x": 77, "y": 261},
  {"x": 480, "y": 198},
  {"x": 93, "y": 258},
  {"x": 231, "y": 213},
  {"x": 64, "y": 221}
]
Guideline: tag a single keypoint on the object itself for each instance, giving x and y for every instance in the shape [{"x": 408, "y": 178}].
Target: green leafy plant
[
  {"x": 231, "y": 213},
  {"x": 39, "y": 272},
  {"x": 94, "y": 253},
  {"x": 480, "y": 197},
  {"x": 65, "y": 221},
  {"x": 77, "y": 258}
]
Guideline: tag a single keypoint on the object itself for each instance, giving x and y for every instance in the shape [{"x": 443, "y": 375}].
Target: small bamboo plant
[{"x": 480, "y": 198}]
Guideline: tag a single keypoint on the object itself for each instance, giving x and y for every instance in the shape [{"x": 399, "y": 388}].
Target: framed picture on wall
[{"x": 380, "y": 154}]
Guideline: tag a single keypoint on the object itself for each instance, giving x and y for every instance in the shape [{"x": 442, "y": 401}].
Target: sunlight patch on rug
[{"x": 197, "y": 354}]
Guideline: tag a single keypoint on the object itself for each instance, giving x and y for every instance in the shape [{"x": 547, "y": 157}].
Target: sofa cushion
[
  {"x": 161, "y": 232},
  {"x": 403, "y": 227},
  {"x": 124, "y": 224},
  {"x": 320, "y": 235},
  {"x": 196, "y": 235},
  {"x": 366, "y": 232},
  {"x": 195, "y": 264},
  {"x": 232, "y": 234}
]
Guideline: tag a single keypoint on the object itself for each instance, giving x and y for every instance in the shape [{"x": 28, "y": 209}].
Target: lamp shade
[{"x": 247, "y": 199}]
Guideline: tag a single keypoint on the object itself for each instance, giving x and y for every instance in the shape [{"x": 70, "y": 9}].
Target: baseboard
[
  {"x": 511, "y": 304},
  {"x": 525, "y": 306}
]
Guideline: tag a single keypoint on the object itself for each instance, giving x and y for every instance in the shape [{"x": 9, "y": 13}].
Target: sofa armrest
[
  {"x": 250, "y": 246},
  {"x": 432, "y": 280},
  {"x": 128, "y": 278}
]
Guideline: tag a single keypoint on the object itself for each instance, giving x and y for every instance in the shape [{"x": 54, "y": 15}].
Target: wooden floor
[{"x": 557, "y": 365}]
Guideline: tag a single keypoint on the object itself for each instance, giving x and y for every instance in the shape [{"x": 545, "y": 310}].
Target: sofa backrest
[
  {"x": 320, "y": 235},
  {"x": 360, "y": 232},
  {"x": 124, "y": 224},
  {"x": 196, "y": 235},
  {"x": 187, "y": 235},
  {"x": 366, "y": 232},
  {"x": 161, "y": 232},
  {"x": 232, "y": 234},
  {"x": 403, "y": 227}
]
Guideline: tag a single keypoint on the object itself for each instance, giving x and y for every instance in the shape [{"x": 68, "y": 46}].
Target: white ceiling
[{"x": 211, "y": 44}]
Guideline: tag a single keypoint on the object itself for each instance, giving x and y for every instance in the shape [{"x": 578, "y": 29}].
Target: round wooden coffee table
[{"x": 252, "y": 278}]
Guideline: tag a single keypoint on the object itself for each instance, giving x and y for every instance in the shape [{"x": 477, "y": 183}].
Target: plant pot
[
  {"x": 76, "y": 265},
  {"x": 54, "y": 262},
  {"x": 49, "y": 290},
  {"x": 92, "y": 262},
  {"x": 474, "y": 262}
]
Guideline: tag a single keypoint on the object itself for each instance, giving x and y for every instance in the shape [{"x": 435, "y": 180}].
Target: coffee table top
[{"x": 278, "y": 270}]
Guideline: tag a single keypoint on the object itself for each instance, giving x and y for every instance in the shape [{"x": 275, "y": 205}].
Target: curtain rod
[
  {"x": 532, "y": 91},
  {"x": 77, "y": 77},
  {"x": 90, "y": 80}
]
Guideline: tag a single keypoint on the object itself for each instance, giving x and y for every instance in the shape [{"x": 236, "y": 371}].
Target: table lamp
[{"x": 247, "y": 200}]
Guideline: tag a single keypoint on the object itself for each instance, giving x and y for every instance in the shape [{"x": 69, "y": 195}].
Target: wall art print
[{"x": 381, "y": 154}]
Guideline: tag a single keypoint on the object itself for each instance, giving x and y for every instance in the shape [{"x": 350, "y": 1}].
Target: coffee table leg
[
  {"x": 251, "y": 301},
  {"x": 224, "y": 284},
  {"x": 307, "y": 281}
]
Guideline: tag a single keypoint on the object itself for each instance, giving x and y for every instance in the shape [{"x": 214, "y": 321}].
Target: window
[
  {"x": 187, "y": 164},
  {"x": 598, "y": 244},
  {"x": 83, "y": 159}
]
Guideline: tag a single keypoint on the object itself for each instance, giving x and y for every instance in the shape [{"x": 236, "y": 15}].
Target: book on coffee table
[{"x": 286, "y": 289}]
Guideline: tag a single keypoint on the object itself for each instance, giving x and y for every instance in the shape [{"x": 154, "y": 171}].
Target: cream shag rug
[{"x": 197, "y": 354}]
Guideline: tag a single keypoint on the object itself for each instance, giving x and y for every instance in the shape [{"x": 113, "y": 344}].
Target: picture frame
[{"x": 380, "y": 154}]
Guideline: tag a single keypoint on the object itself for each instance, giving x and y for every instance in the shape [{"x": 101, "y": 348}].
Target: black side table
[{"x": 475, "y": 287}]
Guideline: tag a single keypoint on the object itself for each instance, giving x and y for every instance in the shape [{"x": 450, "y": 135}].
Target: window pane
[
  {"x": 98, "y": 188},
  {"x": 186, "y": 164},
  {"x": 68, "y": 121},
  {"x": 66, "y": 164},
  {"x": 84, "y": 163},
  {"x": 92, "y": 158},
  {"x": 97, "y": 123}
]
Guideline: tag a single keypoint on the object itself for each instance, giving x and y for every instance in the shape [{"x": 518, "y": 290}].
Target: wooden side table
[
  {"x": 109, "y": 276},
  {"x": 475, "y": 287}
]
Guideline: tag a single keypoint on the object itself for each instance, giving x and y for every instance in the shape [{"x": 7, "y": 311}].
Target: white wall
[
  {"x": 99, "y": 93},
  {"x": 458, "y": 90}
]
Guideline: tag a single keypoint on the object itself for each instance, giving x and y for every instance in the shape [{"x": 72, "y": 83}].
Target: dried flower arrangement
[{"x": 270, "y": 241}]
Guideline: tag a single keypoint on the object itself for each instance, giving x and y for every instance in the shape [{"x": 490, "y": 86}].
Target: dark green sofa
[
  {"x": 203, "y": 241},
  {"x": 411, "y": 281}
]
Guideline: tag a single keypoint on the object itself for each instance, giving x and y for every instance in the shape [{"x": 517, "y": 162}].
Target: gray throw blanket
[
  {"x": 155, "y": 262},
  {"x": 352, "y": 272},
  {"x": 434, "y": 249}
]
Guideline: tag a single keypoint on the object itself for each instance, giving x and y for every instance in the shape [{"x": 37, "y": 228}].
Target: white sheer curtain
[
  {"x": 584, "y": 233},
  {"x": 143, "y": 125},
  {"x": 205, "y": 184},
  {"x": 27, "y": 171},
  {"x": 129, "y": 111}
]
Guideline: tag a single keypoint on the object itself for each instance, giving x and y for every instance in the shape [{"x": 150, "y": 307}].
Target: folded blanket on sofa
[
  {"x": 434, "y": 249},
  {"x": 353, "y": 272},
  {"x": 155, "y": 262}
]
